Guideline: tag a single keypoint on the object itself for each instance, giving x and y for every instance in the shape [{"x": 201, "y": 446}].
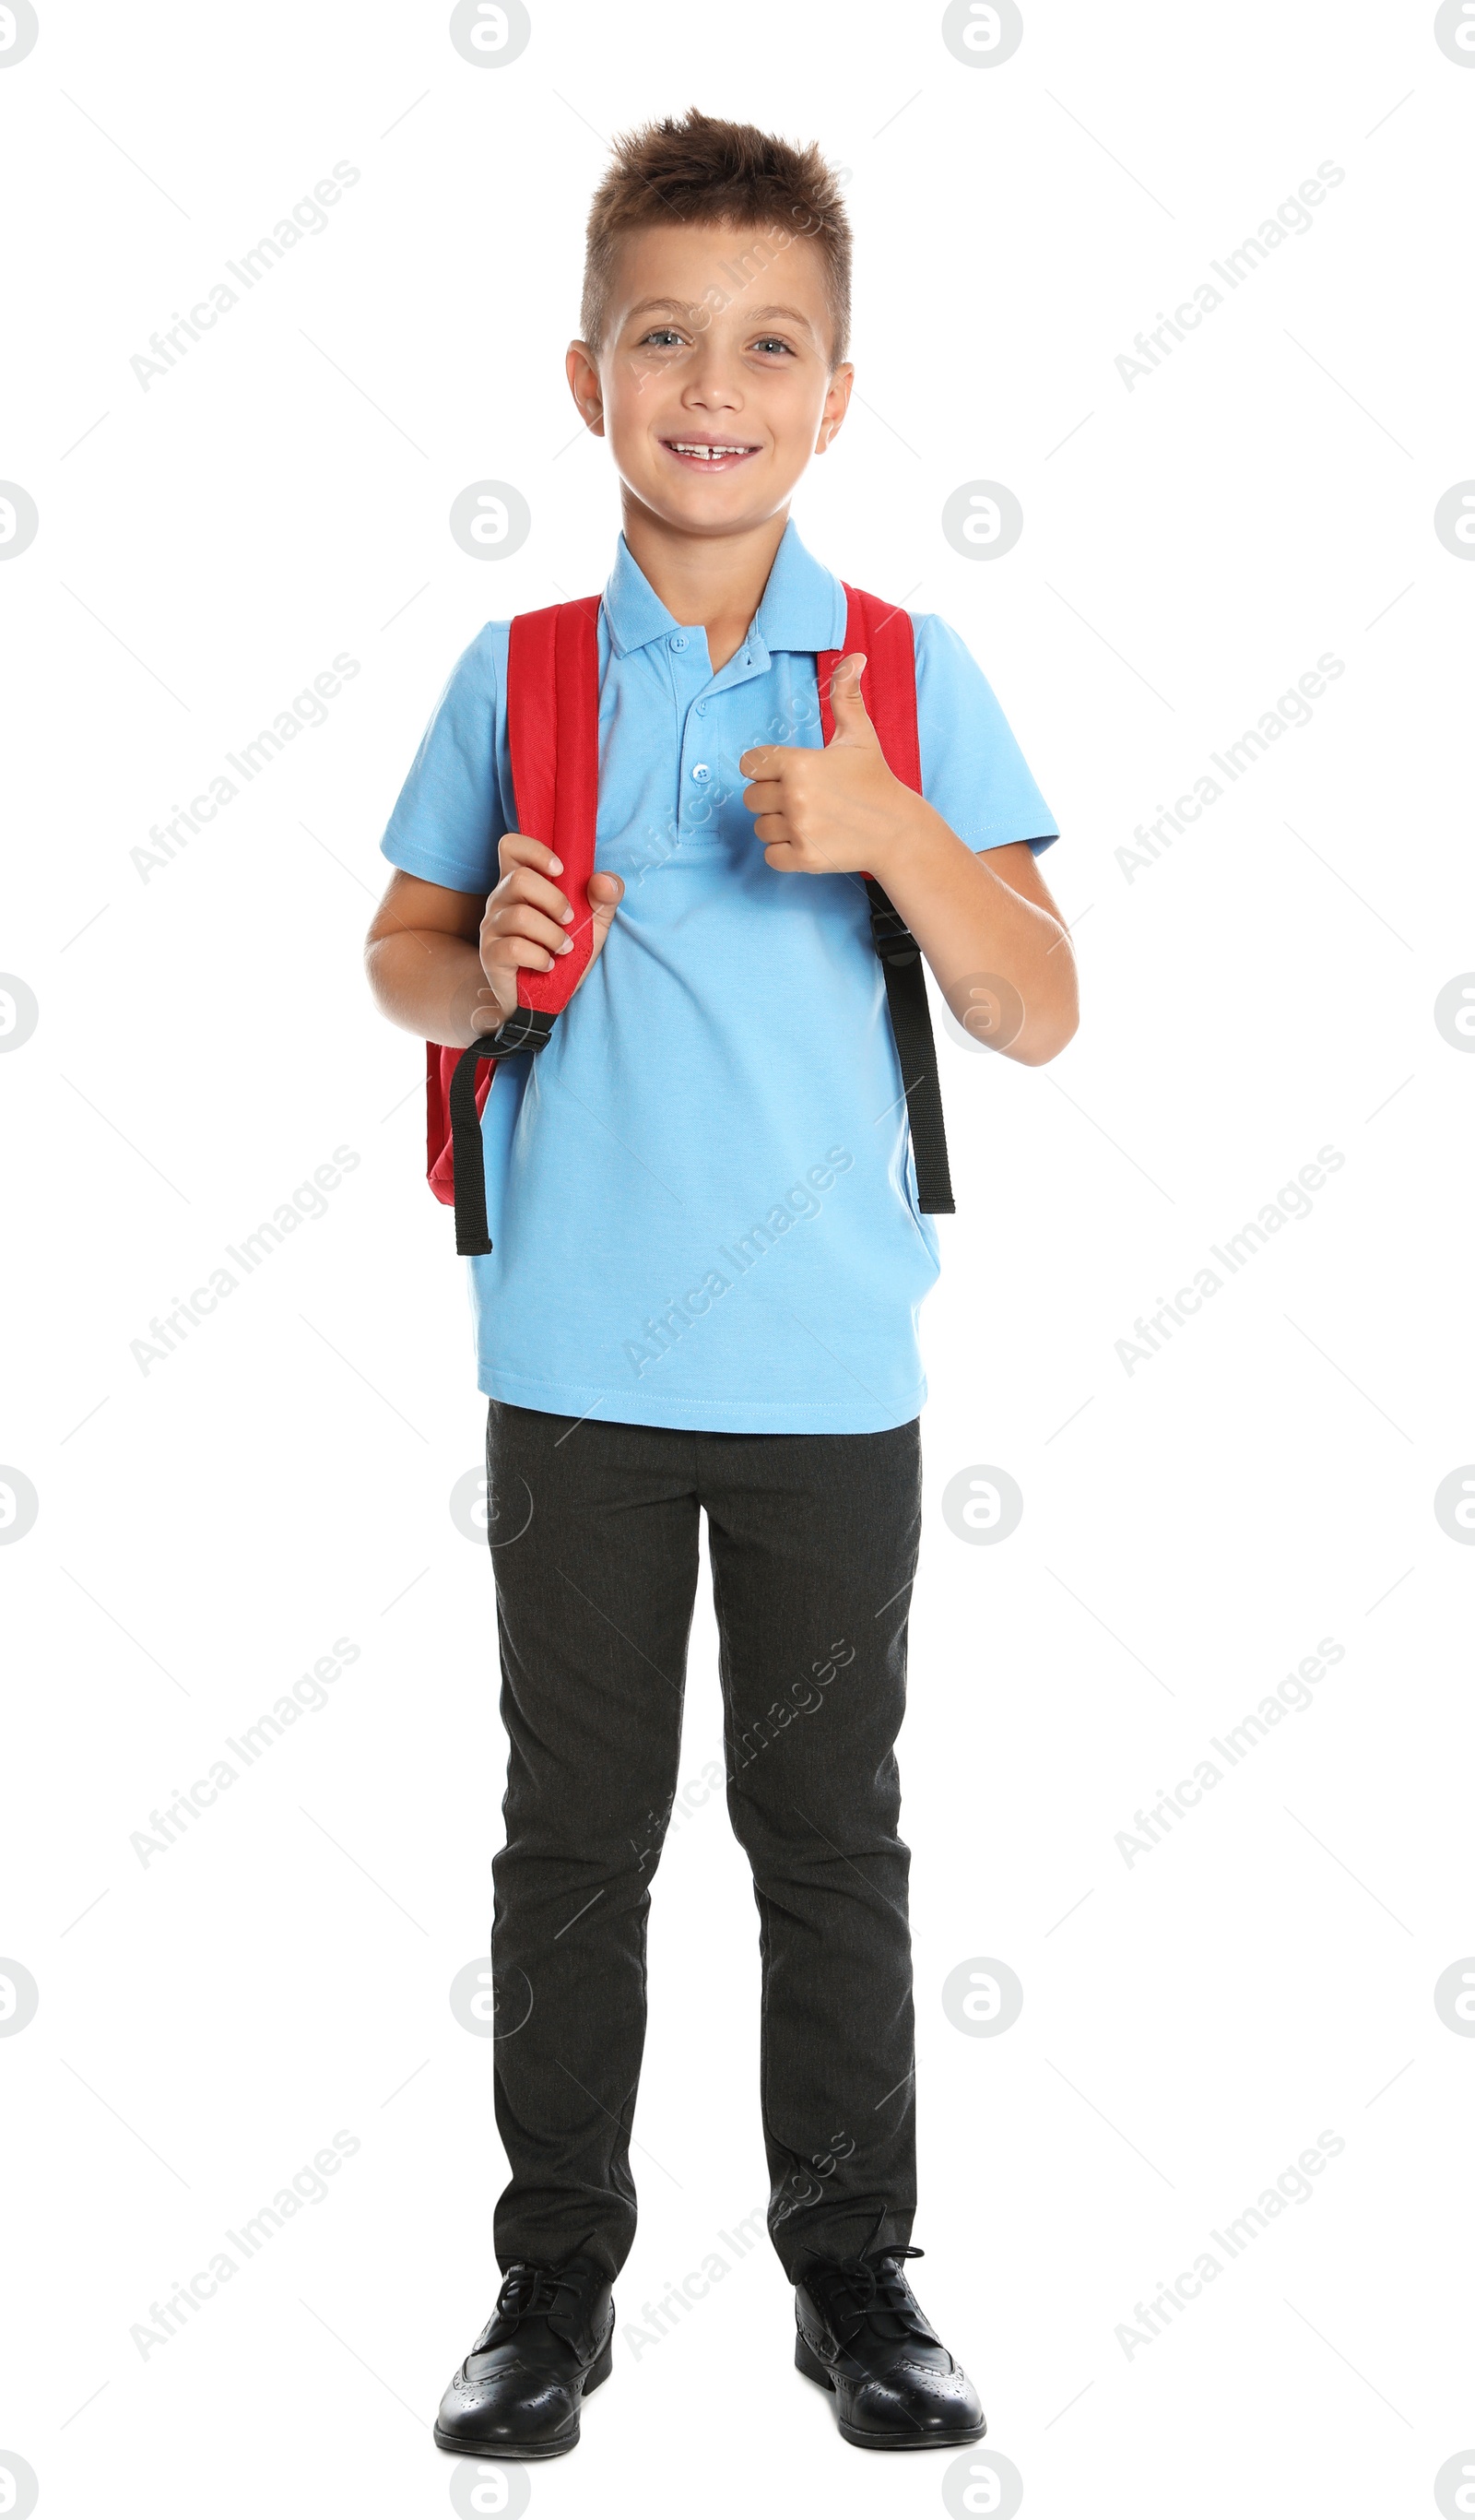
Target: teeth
[{"x": 707, "y": 453}]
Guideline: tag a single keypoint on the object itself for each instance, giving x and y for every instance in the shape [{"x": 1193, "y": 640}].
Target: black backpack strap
[
  {"x": 526, "y": 1028},
  {"x": 911, "y": 1025},
  {"x": 882, "y": 633}
]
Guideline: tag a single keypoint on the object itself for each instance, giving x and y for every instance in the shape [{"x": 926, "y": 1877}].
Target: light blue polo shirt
[{"x": 701, "y": 1195}]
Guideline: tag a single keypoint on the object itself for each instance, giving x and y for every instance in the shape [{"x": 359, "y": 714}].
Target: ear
[
  {"x": 582, "y": 371},
  {"x": 836, "y": 404}
]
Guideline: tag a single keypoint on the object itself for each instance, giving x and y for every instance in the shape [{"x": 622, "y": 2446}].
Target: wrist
[{"x": 916, "y": 835}]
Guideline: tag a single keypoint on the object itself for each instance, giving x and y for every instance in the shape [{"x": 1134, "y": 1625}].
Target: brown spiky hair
[{"x": 701, "y": 171}]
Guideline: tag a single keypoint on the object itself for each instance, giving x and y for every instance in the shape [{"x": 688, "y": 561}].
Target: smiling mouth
[{"x": 720, "y": 455}]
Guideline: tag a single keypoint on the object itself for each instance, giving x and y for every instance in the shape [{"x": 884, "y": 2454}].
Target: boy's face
[{"x": 714, "y": 386}]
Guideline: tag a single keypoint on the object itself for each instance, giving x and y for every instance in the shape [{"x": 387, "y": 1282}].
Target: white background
[{"x": 1191, "y": 2021}]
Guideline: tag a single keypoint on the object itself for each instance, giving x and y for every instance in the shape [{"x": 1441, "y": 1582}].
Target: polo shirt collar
[{"x": 802, "y": 607}]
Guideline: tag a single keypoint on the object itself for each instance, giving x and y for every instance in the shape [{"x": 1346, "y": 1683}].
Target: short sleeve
[
  {"x": 973, "y": 771},
  {"x": 451, "y": 814}
]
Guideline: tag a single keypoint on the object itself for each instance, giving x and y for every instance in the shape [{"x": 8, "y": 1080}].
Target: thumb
[
  {"x": 606, "y": 893},
  {"x": 852, "y": 724}
]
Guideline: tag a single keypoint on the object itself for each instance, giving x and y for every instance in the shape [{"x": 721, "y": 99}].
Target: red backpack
[{"x": 553, "y": 707}]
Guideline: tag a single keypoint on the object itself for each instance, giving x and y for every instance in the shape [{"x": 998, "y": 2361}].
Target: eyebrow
[
  {"x": 684, "y": 306},
  {"x": 795, "y": 315}
]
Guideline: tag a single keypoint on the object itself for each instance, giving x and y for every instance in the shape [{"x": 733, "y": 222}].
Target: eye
[
  {"x": 662, "y": 337},
  {"x": 771, "y": 342}
]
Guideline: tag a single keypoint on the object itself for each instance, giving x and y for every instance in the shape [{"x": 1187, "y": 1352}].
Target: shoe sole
[
  {"x": 597, "y": 2371},
  {"x": 813, "y": 2369}
]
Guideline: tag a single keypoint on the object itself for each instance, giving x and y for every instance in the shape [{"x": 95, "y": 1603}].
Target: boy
[{"x": 708, "y": 1252}]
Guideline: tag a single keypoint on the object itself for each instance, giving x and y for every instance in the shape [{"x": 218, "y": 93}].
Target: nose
[{"x": 713, "y": 385}]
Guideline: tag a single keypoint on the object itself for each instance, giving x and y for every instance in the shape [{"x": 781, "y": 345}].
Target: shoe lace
[
  {"x": 533, "y": 2292},
  {"x": 874, "y": 2286}
]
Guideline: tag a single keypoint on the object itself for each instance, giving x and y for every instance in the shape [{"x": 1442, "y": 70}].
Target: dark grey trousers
[{"x": 813, "y": 1542}]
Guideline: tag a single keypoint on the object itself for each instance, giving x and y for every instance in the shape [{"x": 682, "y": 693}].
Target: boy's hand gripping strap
[
  {"x": 882, "y": 633},
  {"x": 553, "y": 717}
]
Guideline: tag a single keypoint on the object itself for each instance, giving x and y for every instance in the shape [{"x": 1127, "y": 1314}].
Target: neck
[{"x": 716, "y": 581}]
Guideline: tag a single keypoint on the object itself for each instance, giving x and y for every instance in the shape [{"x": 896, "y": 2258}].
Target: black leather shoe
[
  {"x": 863, "y": 2334},
  {"x": 518, "y": 2392}
]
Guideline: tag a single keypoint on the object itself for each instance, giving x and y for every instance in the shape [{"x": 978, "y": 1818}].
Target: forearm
[
  {"x": 432, "y": 985},
  {"x": 970, "y": 925}
]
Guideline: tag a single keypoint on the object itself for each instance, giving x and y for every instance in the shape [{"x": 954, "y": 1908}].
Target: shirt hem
[
  {"x": 450, "y": 873},
  {"x": 1009, "y": 838},
  {"x": 698, "y": 1416}
]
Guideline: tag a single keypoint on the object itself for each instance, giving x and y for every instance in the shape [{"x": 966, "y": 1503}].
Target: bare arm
[
  {"x": 444, "y": 965},
  {"x": 988, "y": 917}
]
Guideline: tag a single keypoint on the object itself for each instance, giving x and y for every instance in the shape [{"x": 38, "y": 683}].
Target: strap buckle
[
  {"x": 891, "y": 936},
  {"x": 525, "y": 1028}
]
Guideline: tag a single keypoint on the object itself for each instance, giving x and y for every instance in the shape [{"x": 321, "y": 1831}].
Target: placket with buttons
[{"x": 699, "y": 785}]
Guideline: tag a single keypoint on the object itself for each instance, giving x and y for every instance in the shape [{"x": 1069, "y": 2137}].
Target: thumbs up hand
[{"x": 838, "y": 811}]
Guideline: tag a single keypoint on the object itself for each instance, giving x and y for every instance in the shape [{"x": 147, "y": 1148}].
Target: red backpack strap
[
  {"x": 552, "y": 701},
  {"x": 553, "y": 727},
  {"x": 882, "y": 633}
]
